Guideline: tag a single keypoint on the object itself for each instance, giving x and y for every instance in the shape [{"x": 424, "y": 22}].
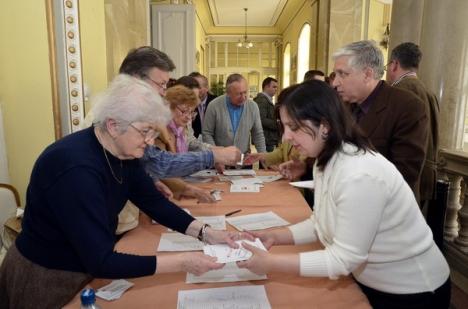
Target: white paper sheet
[
  {"x": 205, "y": 173},
  {"x": 245, "y": 188},
  {"x": 258, "y": 221},
  {"x": 114, "y": 290},
  {"x": 179, "y": 242},
  {"x": 229, "y": 273},
  {"x": 228, "y": 178},
  {"x": 270, "y": 178},
  {"x": 247, "y": 181},
  {"x": 233, "y": 297},
  {"x": 215, "y": 222},
  {"x": 239, "y": 173},
  {"x": 226, "y": 254},
  {"x": 308, "y": 184}
]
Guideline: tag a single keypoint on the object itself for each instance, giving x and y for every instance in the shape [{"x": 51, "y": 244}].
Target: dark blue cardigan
[{"x": 72, "y": 208}]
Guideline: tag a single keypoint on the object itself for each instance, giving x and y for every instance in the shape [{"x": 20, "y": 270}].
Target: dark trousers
[{"x": 439, "y": 299}]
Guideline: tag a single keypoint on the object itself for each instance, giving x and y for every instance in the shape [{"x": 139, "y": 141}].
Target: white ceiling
[{"x": 261, "y": 13}]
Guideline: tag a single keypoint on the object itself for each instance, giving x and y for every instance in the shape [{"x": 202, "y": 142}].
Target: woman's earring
[{"x": 324, "y": 135}]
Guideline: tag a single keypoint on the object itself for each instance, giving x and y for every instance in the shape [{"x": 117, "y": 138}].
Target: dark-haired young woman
[{"x": 365, "y": 214}]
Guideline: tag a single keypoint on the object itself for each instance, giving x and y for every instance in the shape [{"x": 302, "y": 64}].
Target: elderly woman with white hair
[{"x": 77, "y": 188}]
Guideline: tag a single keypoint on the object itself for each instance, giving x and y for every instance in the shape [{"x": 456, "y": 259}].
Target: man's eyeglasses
[
  {"x": 162, "y": 85},
  {"x": 147, "y": 134},
  {"x": 187, "y": 112}
]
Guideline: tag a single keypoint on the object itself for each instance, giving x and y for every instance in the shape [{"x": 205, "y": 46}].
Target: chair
[{"x": 9, "y": 202}]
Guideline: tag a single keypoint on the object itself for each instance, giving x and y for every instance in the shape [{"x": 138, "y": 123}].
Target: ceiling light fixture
[{"x": 245, "y": 42}]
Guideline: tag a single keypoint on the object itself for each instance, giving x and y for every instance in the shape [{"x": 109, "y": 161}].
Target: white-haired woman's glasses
[{"x": 148, "y": 134}]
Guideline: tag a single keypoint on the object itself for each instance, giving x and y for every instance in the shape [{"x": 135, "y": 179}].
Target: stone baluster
[
  {"x": 451, "y": 217},
  {"x": 462, "y": 240}
]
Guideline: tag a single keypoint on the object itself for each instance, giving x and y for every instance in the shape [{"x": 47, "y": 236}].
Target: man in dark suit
[
  {"x": 205, "y": 98},
  {"x": 395, "y": 120},
  {"x": 401, "y": 73},
  {"x": 264, "y": 100}
]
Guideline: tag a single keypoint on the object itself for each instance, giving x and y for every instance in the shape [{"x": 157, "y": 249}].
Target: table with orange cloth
[{"x": 283, "y": 290}]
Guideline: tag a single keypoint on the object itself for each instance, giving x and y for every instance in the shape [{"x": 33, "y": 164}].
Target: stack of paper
[
  {"x": 270, "y": 178},
  {"x": 258, "y": 221},
  {"x": 248, "y": 296},
  {"x": 245, "y": 188},
  {"x": 239, "y": 173},
  {"x": 114, "y": 290}
]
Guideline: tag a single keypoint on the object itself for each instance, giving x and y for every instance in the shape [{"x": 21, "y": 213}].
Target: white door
[{"x": 173, "y": 32}]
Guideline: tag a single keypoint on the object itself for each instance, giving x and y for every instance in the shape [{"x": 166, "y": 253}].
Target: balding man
[
  {"x": 395, "y": 120},
  {"x": 234, "y": 119}
]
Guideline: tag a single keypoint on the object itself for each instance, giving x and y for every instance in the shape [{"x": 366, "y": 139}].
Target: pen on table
[{"x": 233, "y": 212}]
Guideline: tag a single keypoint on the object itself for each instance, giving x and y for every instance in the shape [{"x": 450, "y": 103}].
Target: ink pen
[{"x": 233, "y": 212}]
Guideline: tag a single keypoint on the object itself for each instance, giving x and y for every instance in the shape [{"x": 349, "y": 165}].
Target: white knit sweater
[{"x": 367, "y": 218}]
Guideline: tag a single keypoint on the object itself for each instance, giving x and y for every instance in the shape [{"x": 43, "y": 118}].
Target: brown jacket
[
  {"x": 429, "y": 172},
  {"x": 397, "y": 126}
]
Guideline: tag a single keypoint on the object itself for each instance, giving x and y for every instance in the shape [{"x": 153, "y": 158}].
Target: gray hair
[
  {"x": 363, "y": 54},
  {"x": 236, "y": 77},
  {"x": 129, "y": 99}
]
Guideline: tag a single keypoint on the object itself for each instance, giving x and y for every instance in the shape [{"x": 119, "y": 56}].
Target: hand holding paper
[
  {"x": 259, "y": 262},
  {"x": 225, "y": 254}
]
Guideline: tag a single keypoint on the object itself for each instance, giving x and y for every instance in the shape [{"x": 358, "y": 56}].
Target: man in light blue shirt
[{"x": 233, "y": 119}]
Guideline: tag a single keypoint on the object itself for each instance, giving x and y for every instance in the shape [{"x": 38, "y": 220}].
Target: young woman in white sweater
[{"x": 365, "y": 214}]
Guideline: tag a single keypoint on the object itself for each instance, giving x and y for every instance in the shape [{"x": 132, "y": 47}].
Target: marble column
[
  {"x": 444, "y": 67},
  {"x": 407, "y": 17}
]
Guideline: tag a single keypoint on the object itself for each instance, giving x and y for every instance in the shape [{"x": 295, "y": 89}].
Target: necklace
[{"x": 120, "y": 181}]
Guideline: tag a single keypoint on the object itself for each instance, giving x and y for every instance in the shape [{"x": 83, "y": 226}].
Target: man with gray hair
[
  {"x": 395, "y": 120},
  {"x": 401, "y": 73},
  {"x": 233, "y": 119}
]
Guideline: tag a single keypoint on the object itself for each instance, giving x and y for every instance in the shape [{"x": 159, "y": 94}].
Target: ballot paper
[
  {"x": 205, "y": 173},
  {"x": 239, "y": 173},
  {"x": 245, "y": 188},
  {"x": 269, "y": 178},
  {"x": 226, "y": 254},
  {"x": 114, "y": 290},
  {"x": 308, "y": 184},
  {"x": 228, "y": 178},
  {"x": 215, "y": 222},
  {"x": 178, "y": 242},
  {"x": 248, "y": 296},
  {"x": 247, "y": 181},
  {"x": 229, "y": 273},
  {"x": 216, "y": 194},
  {"x": 258, "y": 221}
]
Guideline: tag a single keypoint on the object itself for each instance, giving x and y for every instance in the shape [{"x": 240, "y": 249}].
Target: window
[
  {"x": 303, "y": 52},
  {"x": 286, "y": 65}
]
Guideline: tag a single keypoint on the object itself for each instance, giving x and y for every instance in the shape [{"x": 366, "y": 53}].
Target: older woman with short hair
[
  {"x": 182, "y": 103},
  {"x": 77, "y": 188}
]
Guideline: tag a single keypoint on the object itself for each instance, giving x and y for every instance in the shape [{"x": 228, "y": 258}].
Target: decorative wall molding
[{"x": 65, "y": 65}]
